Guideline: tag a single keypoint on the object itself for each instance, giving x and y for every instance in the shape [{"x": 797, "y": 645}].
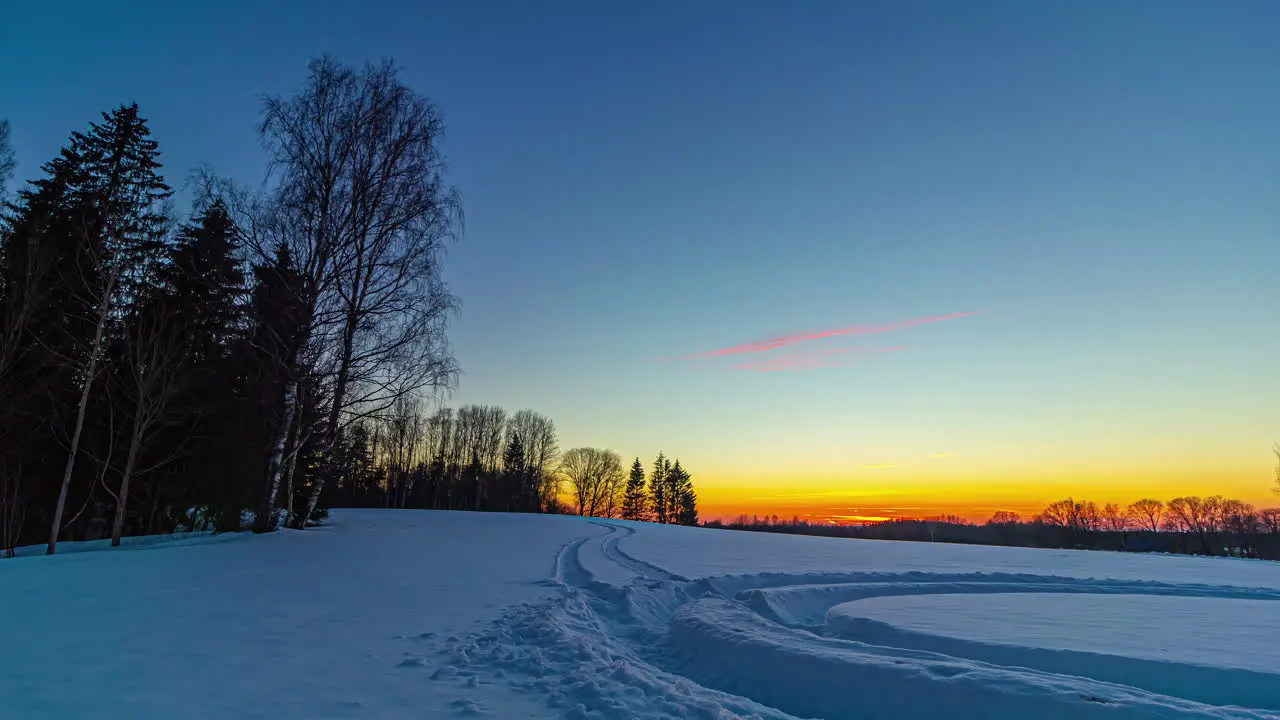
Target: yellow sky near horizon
[{"x": 928, "y": 489}]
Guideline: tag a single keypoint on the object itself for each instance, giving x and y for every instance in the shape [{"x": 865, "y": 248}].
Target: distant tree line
[
  {"x": 262, "y": 357},
  {"x": 1191, "y": 525},
  {"x": 478, "y": 457}
]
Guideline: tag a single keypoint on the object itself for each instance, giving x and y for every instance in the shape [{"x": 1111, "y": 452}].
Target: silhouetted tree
[
  {"x": 658, "y": 489},
  {"x": 279, "y": 319},
  {"x": 541, "y": 449},
  {"x": 635, "y": 501},
  {"x": 686, "y": 509},
  {"x": 6, "y": 157},
  {"x": 112, "y": 172},
  {"x": 1197, "y": 517},
  {"x": 1147, "y": 513},
  {"x": 1004, "y": 517},
  {"x": 357, "y": 156},
  {"x": 154, "y": 352},
  {"x": 1075, "y": 519},
  {"x": 595, "y": 477},
  {"x": 515, "y": 471},
  {"x": 1113, "y": 518}
]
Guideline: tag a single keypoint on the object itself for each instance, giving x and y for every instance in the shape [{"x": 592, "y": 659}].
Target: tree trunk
[
  {"x": 74, "y": 450},
  {"x": 263, "y": 520},
  {"x": 289, "y": 470},
  {"x": 327, "y": 467},
  {"x": 117, "y": 526}
]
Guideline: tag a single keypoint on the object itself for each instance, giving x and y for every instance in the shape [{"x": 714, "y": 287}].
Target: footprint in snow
[{"x": 413, "y": 662}]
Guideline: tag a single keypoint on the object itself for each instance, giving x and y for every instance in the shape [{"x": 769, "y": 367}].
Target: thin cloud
[
  {"x": 784, "y": 341},
  {"x": 792, "y": 362},
  {"x": 879, "y": 466}
]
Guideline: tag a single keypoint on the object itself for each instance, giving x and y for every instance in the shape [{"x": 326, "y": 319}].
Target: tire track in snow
[{"x": 760, "y": 646}]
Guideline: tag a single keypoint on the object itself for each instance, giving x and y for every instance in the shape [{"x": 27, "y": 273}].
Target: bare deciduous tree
[
  {"x": 1269, "y": 519},
  {"x": 541, "y": 448},
  {"x": 1113, "y": 518},
  {"x": 1075, "y": 518},
  {"x": 89, "y": 372},
  {"x": 1004, "y": 517},
  {"x": 154, "y": 351},
  {"x": 595, "y": 477},
  {"x": 1197, "y": 516},
  {"x": 357, "y": 157},
  {"x": 1146, "y": 513}
]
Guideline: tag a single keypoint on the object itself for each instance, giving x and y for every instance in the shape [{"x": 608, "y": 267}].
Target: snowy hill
[{"x": 399, "y": 614}]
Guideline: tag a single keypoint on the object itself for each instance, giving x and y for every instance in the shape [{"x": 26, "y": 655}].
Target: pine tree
[
  {"x": 515, "y": 472},
  {"x": 635, "y": 501},
  {"x": 6, "y": 157},
  {"x": 686, "y": 506},
  {"x": 203, "y": 289},
  {"x": 112, "y": 172},
  {"x": 204, "y": 278},
  {"x": 658, "y": 489}
]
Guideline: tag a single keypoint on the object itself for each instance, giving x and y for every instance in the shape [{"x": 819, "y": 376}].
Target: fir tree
[
  {"x": 112, "y": 174},
  {"x": 635, "y": 501},
  {"x": 204, "y": 278},
  {"x": 6, "y": 157},
  {"x": 515, "y": 472},
  {"x": 686, "y": 506},
  {"x": 658, "y": 489}
]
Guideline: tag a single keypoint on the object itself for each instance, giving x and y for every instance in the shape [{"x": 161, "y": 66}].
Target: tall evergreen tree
[
  {"x": 658, "y": 489},
  {"x": 686, "y": 506},
  {"x": 113, "y": 173},
  {"x": 6, "y": 157},
  {"x": 635, "y": 501},
  {"x": 203, "y": 289},
  {"x": 206, "y": 283},
  {"x": 514, "y": 472}
]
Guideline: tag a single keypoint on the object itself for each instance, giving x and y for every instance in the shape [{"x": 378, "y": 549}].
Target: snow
[
  {"x": 398, "y": 614},
  {"x": 1209, "y": 631}
]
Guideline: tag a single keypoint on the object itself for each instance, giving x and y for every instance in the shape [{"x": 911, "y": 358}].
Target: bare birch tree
[
  {"x": 357, "y": 156},
  {"x": 155, "y": 353}
]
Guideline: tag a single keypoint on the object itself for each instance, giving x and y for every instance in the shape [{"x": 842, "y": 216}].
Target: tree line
[
  {"x": 1191, "y": 525},
  {"x": 259, "y": 358},
  {"x": 479, "y": 457}
]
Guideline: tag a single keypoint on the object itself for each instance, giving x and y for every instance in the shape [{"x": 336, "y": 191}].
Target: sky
[{"x": 842, "y": 259}]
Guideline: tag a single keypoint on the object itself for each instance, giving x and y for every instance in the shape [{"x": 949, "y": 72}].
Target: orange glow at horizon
[{"x": 873, "y": 496}]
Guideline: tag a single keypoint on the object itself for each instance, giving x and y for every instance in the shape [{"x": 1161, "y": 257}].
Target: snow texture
[{"x": 389, "y": 614}]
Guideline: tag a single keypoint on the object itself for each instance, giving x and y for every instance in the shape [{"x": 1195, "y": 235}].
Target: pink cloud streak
[
  {"x": 784, "y": 341},
  {"x": 809, "y": 360}
]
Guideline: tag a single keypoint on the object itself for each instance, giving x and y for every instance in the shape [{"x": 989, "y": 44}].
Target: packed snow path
[
  {"x": 399, "y": 614},
  {"x": 627, "y": 639}
]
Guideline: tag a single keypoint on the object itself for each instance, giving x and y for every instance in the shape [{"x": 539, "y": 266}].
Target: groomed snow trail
[{"x": 623, "y": 638}]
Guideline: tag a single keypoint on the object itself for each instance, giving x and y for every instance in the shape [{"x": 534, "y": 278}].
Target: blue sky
[{"x": 1100, "y": 180}]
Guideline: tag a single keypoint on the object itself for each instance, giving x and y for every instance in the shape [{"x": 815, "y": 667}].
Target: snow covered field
[{"x": 398, "y": 614}]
